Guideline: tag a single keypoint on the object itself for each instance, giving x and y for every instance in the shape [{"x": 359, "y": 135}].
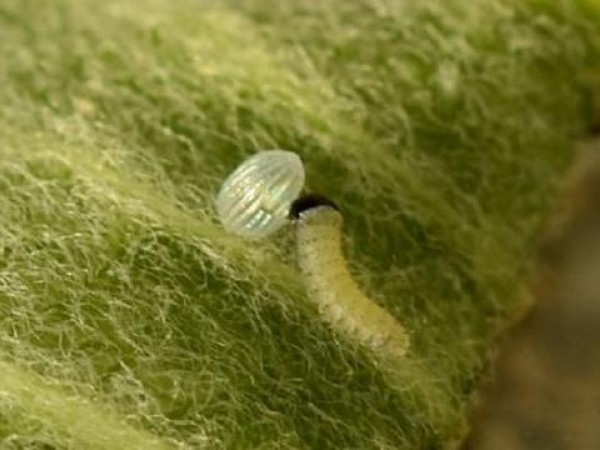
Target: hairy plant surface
[{"x": 129, "y": 319}]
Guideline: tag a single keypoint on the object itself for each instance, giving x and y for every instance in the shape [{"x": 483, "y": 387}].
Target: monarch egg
[{"x": 255, "y": 199}]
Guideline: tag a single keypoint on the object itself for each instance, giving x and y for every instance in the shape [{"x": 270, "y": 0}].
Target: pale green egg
[{"x": 255, "y": 199}]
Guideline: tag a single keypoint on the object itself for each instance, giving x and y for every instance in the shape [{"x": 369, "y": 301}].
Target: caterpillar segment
[{"x": 318, "y": 227}]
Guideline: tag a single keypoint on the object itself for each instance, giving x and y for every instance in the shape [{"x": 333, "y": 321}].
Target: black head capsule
[{"x": 309, "y": 201}]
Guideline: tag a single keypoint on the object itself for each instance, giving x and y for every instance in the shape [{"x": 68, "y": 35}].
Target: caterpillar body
[{"x": 318, "y": 225}]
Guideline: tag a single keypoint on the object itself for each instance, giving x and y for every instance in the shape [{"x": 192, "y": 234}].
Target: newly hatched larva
[
  {"x": 255, "y": 201},
  {"x": 318, "y": 225}
]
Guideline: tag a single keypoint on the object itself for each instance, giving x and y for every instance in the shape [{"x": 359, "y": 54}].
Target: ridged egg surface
[{"x": 254, "y": 200}]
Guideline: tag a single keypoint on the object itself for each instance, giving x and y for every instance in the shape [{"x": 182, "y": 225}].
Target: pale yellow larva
[{"x": 349, "y": 311}]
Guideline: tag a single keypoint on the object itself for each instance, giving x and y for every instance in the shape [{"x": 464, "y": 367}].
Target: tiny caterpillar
[
  {"x": 253, "y": 202},
  {"x": 318, "y": 224}
]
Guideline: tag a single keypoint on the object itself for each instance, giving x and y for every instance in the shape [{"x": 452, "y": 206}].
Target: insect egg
[{"x": 255, "y": 199}]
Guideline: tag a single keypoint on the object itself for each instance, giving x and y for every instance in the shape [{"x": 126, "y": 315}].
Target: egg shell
[{"x": 254, "y": 201}]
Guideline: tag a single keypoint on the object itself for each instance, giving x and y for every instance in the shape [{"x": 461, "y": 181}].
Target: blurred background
[{"x": 545, "y": 393}]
